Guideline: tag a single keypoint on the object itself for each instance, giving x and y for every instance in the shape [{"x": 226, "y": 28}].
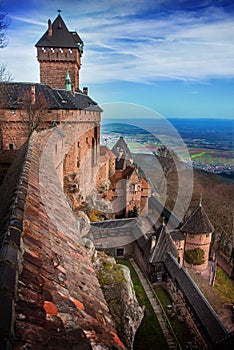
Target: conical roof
[
  {"x": 198, "y": 222},
  {"x": 61, "y": 37}
]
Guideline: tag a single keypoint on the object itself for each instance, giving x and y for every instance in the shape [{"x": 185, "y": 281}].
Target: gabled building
[
  {"x": 123, "y": 154},
  {"x": 129, "y": 190}
]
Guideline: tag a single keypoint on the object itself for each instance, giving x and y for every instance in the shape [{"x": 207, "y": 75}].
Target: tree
[
  {"x": 35, "y": 107},
  {"x": 194, "y": 256},
  {"x": 4, "y": 74},
  {"x": 4, "y": 23},
  {"x": 167, "y": 159},
  {"x": 134, "y": 212}
]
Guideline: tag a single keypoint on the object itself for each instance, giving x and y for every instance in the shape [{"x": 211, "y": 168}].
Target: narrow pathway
[{"x": 156, "y": 307}]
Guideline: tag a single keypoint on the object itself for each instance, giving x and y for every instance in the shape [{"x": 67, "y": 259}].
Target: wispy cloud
[
  {"x": 28, "y": 20},
  {"x": 133, "y": 41}
]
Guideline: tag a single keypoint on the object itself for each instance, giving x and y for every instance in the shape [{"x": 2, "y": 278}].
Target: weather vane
[{"x": 59, "y": 11}]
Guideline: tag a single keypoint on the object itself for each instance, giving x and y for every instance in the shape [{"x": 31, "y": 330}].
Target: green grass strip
[{"x": 149, "y": 335}]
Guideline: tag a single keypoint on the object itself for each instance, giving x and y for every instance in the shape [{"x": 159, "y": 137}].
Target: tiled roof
[
  {"x": 56, "y": 300},
  {"x": 164, "y": 244},
  {"x": 61, "y": 37},
  {"x": 201, "y": 308},
  {"x": 121, "y": 174},
  {"x": 198, "y": 222},
  {"x": 16, "y": 95}
]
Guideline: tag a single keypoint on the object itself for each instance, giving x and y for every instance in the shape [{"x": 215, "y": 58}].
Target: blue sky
[{"x": 176, "y": 57}]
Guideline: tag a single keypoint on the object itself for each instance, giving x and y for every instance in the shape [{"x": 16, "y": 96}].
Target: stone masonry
[{"x": 50, "y": 296}]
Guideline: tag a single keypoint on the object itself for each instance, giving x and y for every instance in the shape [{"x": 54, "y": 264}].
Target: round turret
[{"x": 198, "y": 231}]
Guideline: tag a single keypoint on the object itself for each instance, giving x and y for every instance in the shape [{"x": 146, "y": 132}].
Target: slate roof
[
  {"x": 121, "y": 146},
  {"x": 163, "y": 245},
  {"x": 114, "y": 233},
  {"x": 196, "y": 300},
  {"x": 198, "y": 222},
  {"x": 177, "y": 235},
  {"x": 171, "y": 218},
  {"x": 14, "y": 96},
  {"x": 61, "y": 37}
]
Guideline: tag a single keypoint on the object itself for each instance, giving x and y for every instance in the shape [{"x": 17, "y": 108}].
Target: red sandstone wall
[
  {"x": 201, "y": 241},
  {"x": 81, "y": 128},
  {"x": 54, "y": 64},
  {"x": 180, "y": 247}
]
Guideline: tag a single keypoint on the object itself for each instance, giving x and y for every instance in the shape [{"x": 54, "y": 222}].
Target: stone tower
[
  {"x": 59, "y": 52},
  {"x": 198, "y": 231}
]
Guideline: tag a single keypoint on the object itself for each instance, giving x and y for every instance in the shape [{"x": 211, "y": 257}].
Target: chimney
[
  {"x": 85, "y": 90},
  {"x": 49, "y": 28},
  {"x": 33, "y": 94}
]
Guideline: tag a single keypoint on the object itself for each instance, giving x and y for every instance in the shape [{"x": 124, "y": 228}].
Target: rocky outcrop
[{"x": 119, "y": 293}]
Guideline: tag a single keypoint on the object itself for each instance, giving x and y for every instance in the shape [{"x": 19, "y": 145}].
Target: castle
[{"x": 51, "y": 130}]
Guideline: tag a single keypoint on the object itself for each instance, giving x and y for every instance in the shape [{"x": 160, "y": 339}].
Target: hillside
[{"x": 217, "y": 195}]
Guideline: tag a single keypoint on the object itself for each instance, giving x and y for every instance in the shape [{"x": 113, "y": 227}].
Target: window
[
  {"x": 120, "y": 252},
  {"x": 11, "y": 146}
]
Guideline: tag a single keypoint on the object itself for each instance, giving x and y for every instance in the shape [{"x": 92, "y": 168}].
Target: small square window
[{"x": 120, "y": 252}]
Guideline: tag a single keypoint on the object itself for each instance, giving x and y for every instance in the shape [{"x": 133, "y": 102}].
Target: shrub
[{"x": 194, "y": 256}]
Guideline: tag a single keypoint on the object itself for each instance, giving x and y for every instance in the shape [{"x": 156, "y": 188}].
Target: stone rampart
[{"x": 50, "y": 295}]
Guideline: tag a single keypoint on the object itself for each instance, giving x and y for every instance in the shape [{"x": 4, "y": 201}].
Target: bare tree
[
  {"x": 33, "y": 108},
  {"x": 4, "y": 23},
  {"x": 166, "y": 159},
  {"x": 4, "y": 74}
]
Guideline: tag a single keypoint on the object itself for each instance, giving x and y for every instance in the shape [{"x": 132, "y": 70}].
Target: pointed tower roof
[
  {"x": 57, "y": 35},
  {"x": 164, "y": 245},
  {"x": 198, "y": 222}
]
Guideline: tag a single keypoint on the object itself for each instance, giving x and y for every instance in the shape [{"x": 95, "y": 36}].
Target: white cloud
[{"x": 180, "y": 45}]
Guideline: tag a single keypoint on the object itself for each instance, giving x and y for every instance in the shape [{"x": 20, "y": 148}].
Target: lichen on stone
[{"x": 118, "y": 290}]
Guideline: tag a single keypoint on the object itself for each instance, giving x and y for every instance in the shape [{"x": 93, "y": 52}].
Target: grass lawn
[
  {"x": 149, "y": 335},
  {"x": 180, "y": 329},
  {"x": 224, "y": 286}
]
